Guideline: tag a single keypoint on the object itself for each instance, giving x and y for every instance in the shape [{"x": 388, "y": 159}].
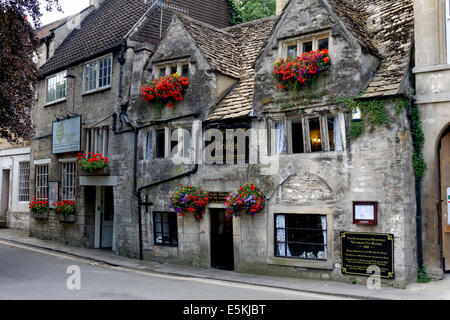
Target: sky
[{"x": 69, "y": 7}]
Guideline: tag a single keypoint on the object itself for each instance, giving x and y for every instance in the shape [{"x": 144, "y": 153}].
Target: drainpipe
[{"x": 418, "y": 197}]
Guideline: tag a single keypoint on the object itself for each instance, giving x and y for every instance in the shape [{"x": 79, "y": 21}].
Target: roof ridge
[{"x": 186, "y": 17}]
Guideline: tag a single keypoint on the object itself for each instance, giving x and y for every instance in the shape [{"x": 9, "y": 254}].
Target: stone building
[
  {"x": 299, "y": 152},
  {"x": 309, "y": 168},
  {"x": 432, "y": 72},
  {"x": 91, "y": 60}
]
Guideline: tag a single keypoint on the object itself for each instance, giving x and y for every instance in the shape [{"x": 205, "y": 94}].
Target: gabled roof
[
  {"x": 45, "y": 31},
  {"x": 105, "y": 28},
  {"x": 251, "y": 38}
]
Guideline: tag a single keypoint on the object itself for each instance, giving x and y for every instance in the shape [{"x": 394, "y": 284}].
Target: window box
[
  {"x": 43, "y": 215},
  {"x": 70, "y": 218},
  {"x": 99, "y": 172}
]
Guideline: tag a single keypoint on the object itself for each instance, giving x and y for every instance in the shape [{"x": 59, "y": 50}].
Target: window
[
  {"x": 301, "y": 236},
  {"x": 296, "y": 47},
  {"x": 149, "y": 146},
  {"x": 97, "y": 74},
  {"x": 181, "y": 138},
  {"x": 160, "y": 143},
  {"x": 42, "y": 182},
  {"x": 24, "y": 181},
  {"x": 68, "y": 176},
  {"x": 307, "y": 134},
  {"x": 56, "y": 87},
  {"x": 97, "y": 140},
  {"x": 165, "y": 228},
  {"x": 181, "y": 68}
]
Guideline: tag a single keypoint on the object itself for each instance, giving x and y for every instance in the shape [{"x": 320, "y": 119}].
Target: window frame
[
  {"x": 286, "y": 242},
  {"x": 64, "y": 179},
  {"x": 39, "y": 177},
  {"x": 97, "y": 78},
  {"x": 47, "y": 102},
  {"x": 173, "y": 223},
  {"x": 304, "y": 119},
  {"x": 304, "y": 39},
  {"x": 24, "y": 184},
  {"x": 97, "y": 138},
  {"x": 167, "y": 67}
]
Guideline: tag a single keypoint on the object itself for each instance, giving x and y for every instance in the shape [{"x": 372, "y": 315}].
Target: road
[{"x": 27, "y": 273}]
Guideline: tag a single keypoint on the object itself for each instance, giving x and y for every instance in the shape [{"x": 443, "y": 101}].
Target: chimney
[
  {"x": 95, "y": 3},
  {"x": 280, "y": 5}
]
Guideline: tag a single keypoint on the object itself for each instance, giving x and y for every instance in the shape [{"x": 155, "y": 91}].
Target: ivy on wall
[{"x": 374, "y": 114}]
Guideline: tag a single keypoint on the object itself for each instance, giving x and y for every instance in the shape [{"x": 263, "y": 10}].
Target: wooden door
[
  {"x": 222, "y": 250},
  {"x": 445, "y": 196}
]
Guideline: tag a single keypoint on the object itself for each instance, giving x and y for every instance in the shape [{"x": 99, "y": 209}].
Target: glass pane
[
  {"x": 323, "y": 44},
  {"x": 297, "y": 138},
  {"x": 330, "y": 124},
  {"x": 307, "y": 251},
  {"x": 185, "y": 70},
  {"x": 305, "y": 236},
  {"x": 292, "y": 51},
  {"x": 304, "y": 221},
  {"x": 280, "y": 138},
  {"x": 173, "y": 69},
  {"x": 314, "y": 132},
  {"x": 307, "y": 46},
  {"x": 162, "y": 72},
  {"x": 159, "y": 238},
  {"x": 149, "y": 152},
  {"x": 160, "y": 143}
]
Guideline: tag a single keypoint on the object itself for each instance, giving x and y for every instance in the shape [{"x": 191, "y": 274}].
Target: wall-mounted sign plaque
[
  {"x": 362, "y": 250},
  {"x": 67, "y": 135},
  {"x": 217, "y": 197},
  {"x": 365, "y": 213}
]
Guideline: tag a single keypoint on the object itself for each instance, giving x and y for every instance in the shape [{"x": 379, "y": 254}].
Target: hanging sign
[{"x": 67, "y": 135}]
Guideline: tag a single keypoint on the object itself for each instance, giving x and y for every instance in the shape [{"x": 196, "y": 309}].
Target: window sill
[
  {"x": 55, "y": 102},
  {"x": 301, "y": 263},
  {"x": 87, "y": 93}
]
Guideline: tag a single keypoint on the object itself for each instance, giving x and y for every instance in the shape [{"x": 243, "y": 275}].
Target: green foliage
[
  {"x": 236, "y": 17},
  {"x": 422, "y": 275},
  {"x": 256, "y": 9}
]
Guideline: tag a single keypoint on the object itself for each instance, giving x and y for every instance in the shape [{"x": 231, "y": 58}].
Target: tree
[
  {"x": 18, "y": 72},
  {"x": 256, "y": 9}
]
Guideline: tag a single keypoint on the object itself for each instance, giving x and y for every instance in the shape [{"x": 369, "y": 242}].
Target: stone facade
[{"x": 432, "y": 73}]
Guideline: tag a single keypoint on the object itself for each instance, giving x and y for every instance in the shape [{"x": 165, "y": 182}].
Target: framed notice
[
  {"x": 365, "y": 213},
  {"x": 53, "y": 188},
  {"x": 66, "y": 135},
  {"x": 361, "y": 251}
]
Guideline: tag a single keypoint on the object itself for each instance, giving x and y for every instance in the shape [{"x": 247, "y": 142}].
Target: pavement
[{"x": 435, "y": 290}]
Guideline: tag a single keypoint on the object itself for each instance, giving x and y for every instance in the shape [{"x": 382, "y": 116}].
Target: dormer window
[
  {"x": 97, "y": 74},
  {"x": 295, "y": 47}
]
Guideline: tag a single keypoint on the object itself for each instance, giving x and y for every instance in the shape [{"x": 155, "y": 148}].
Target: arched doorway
[{"x": 444, "y": 168}]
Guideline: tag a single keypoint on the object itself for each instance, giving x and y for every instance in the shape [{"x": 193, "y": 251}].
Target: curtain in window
[
  {"x": 280, "y": 137},
  {"x": 324, "y": 227},
  {"x": 149, "y": 153},
  {"x": 281, "y": 236},
  {"x": 337, "y": 134}
]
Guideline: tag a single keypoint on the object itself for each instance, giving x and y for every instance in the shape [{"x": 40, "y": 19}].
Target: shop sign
[{"x": 67, "y": 135}]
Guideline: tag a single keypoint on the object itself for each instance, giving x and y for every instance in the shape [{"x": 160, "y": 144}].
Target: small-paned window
[
  {"x": 149, "y": 146},
  {"x": 301, "y": 236},
  {"x": 307, "y": 46},
  {"x": 315, "y": 136},
  {"x": 297, "y": 137},
  {"x": 42, "y": 182},
  {"x": 292, "y": 51},
  {"x": 97, "y": 74},
  {"x": 160, "y": 143},
  {"x": 56, "y": 87},
  {"x": 185, "y": 70},
  {"x": 165, "y": 228},
  {"x": 24, "y": 181},
  {"x": 68, "y": 181},
  {"x": 97, "y": 140}
]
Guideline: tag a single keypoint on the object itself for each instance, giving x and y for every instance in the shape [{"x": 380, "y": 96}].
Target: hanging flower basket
[
  {"x": 93, "y": 163},
  {"x": 65, "y": 211},
  {"x": 248, "y": 199},
  {"x": 189, "y": 200},
  {"x": 165, "y": 91},
  {"x": 39, "y": 209},
  {"x": 296, "y": 73}
]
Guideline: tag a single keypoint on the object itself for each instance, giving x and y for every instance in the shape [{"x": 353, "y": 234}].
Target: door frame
[
  {"x": 99, "y": 209},
  {"x": 7, "y": 204},
  {"x": 235, "y": 235}
]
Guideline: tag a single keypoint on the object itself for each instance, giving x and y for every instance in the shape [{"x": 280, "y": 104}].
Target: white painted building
[{"x": 15, "y": 187}]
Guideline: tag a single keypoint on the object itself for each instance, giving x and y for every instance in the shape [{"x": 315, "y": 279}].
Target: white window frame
[
  {"x": 24, "y": 183},
  {"x": 447, "y": 28},
  {"x": 41, "y": 173},
  {"x": 299, "y": 41},
  {"x": 55, "y": 76},
  {"x": 97, "y": 76},
  {"x": 68, "y": 180}
]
